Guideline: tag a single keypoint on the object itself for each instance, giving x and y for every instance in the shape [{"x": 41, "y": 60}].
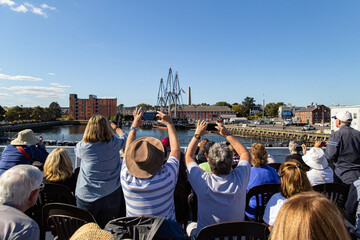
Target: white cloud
[
  {"x": 19, "y": 78},
  {"x": 7, "y": 2},
  {"x": 37, "y": 91},
  {"x": 36, "y": 10},
  {"x": 60, "y": 86},
  {"x": 20, "y": 8},
  {"x": 45, "y": 6},
  {"x": 52, "y": 74},
  {"x": 2, "y": 95}
]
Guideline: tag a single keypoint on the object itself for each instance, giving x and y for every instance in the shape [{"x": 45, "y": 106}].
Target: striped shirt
[{"x": 151, "y": 196}]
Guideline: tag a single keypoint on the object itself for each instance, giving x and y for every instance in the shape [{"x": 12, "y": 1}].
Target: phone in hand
[
  {"x": 211, "y": 127},
  {"x": 149, "y": 116}
]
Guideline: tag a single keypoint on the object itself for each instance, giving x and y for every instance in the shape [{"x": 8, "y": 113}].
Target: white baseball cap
[{"x": 344, "y": 117}]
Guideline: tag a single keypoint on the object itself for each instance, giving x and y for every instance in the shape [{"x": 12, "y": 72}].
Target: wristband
[{"x": 132, "y": 128}]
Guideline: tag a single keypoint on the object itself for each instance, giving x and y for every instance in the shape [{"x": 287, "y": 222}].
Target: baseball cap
[{"x": 344, "y": 116}]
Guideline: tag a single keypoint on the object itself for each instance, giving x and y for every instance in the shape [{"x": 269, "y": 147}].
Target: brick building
[
  {"x": 313, "y": 114},
  {"x": 208, "y": 113},
  {"x": 83, "y": 109}
]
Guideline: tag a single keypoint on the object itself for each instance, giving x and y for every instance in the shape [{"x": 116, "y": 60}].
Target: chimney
[{"x": 189, "y": 96}]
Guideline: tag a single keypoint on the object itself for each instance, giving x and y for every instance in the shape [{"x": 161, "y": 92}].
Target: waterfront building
[
  {"x": 126, "y": 110},
  {"x": 83, "y": 109},
  {"x": 209, "y": 113},
  {"x": 355, "y": 112},
  {"x": 313, "y": 114},
  {"x": 285, "y": 112}
]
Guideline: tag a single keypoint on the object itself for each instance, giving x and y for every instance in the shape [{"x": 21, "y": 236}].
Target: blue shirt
[
  {"x": 100, "y": 167},
  {"x": 12, "y": 156},
  {"x": 260, "y": 175}
]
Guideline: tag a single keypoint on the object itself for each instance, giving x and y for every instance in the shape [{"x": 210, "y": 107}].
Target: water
[{"x": 75, "y": 133}]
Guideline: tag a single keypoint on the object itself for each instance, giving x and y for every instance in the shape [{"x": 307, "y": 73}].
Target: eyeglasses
[{"x": 41, "y": 187}]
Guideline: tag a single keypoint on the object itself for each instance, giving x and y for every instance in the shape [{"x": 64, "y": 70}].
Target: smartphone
[
  {"x": 149, "y": 116},
  {"x": 211, "y": 127}
]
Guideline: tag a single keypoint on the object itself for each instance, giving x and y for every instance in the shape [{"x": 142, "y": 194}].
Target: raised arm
[
  {"x": 135, "y": 124},
  {"x": 173, "y": 137},
  {"x": 199, "y": 132},
  {"x": 239, "y": 148}
]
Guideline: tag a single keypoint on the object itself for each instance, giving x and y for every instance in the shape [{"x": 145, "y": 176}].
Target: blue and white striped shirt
[{"x": 151, "y": 196}]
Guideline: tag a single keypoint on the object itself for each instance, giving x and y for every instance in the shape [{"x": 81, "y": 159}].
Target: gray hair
[
  {"x": 292, "y": 147},
  {"x": 220, "y": 159},
  {"x": 17, "y": 183}
]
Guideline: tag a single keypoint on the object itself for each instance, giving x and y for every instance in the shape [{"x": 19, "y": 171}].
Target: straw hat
[
  {"x": 91, "y": 231},
  {"x": 25, "y": 137},
  {"x": 315, "y": 158},
  {"x": 144, "y": 157}
]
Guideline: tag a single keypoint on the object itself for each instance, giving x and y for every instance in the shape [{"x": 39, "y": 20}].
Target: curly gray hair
[{"x": 220, "y": 159}]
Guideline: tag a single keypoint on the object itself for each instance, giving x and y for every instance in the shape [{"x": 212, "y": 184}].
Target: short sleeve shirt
[{"x": 273, "y": 207}]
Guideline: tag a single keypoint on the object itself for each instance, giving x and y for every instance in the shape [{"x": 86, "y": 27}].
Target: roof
[{"x": 194, "y": 108}]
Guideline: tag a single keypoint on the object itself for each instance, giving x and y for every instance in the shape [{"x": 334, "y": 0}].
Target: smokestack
[{"x": 189, "y": 96}]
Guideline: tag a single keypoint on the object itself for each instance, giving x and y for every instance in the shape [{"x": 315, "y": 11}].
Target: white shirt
[
  {"x": 273, "y": 207},
  {"x": 317, "y": 177}
]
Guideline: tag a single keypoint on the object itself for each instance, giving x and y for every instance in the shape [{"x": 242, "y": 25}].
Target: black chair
[
  {"x": 193, "y": 206},
  {"x": 181, "y": 206},
  {"x": 51, "y": 193},
  {"x": 229, "y": 230},
  {"x": 262, "y": 194},
  {"x": 275, "y": 166},
  {"x": 64, "y": 219},
  {"x": 335, "y": 192}
]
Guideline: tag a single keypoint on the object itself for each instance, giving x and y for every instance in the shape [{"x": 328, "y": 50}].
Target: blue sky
[{"x": 296, "y": 52}]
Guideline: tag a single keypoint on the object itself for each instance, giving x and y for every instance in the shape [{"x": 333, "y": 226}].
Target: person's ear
[{"x": 34, "y": 196}]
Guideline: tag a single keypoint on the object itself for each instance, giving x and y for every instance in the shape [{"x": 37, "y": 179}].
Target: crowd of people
[{"x": 143, "y": 173}]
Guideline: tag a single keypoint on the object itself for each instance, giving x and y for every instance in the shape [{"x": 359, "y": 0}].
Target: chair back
[
  {"x": 54, "y": 192},
  {"x": 64, "y": 219},
  {"x": 262, "y": 194},
  {"x": 335, "y": 192},
  {"x": 193, "y": 206},
  {"x": 229, "y": 230},
  {"x": 181, "y": 206}
]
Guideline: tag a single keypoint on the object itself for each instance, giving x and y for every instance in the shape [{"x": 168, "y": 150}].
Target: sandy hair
[
  {"x": 58, "y": 166},
  {"x": 97, "y": 130},
  {"x": 202, "y": 144},
  {"x": 259, "y": 155},
  {"x": 309, "y": 215},
  {"x": 293, "y": 179}
]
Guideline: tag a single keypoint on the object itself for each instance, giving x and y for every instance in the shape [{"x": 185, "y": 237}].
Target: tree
[
  {"x": 14, "y": 114},
  {"x": 54, "y": 111},
  {"x": 223, "y": 104},
  {"x": 239, "y": 109},
  {"x": 120, "y": 105},
  {"x": 38, "y": 113},
  {"x": 271, "y": 109},
  {"x": 248, "y": 103},
  {"x": 145, "y": 106},
  {"x": 2, "y": 113}
]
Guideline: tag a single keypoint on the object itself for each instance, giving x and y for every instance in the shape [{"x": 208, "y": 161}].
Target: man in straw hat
[
  {"x": 343, "y": 149},
  {"x": 222, "y": 193},
  {"x": 25, "y": 149},
  {"x": 148, "y": 183}
]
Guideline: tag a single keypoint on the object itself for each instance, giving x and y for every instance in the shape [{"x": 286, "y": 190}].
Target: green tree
[
  {"x": 239, "y": 109},
  {"x": 223, "y": 104},
  {"x": 39, "y": 113},
  {"x": 271, "y": 109},
  {"x": 2, "y": 113},
  {"x": 54, "y": 111},
  {"x": 145, "y": 106},
  {"x": 120, "y": 105},
  {"x": 14, "y": 114},
  {"x": 248, "y": 103}
]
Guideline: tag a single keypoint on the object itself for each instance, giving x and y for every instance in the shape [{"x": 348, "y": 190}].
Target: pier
[{"x": 308, "y": 138}]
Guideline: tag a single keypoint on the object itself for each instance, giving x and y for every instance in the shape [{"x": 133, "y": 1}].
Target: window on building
[{"x": 355, "y": 115}]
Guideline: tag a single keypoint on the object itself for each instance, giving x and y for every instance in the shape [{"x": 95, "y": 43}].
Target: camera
[
  {"x": 211, "y": 127},
  {"x": 149, "y": 116}
]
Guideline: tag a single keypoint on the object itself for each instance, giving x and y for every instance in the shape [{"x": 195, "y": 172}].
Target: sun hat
[
  {"x": 144, "y": 157},
  {"x": 315, "y": 158},
  {"x": 91, "y": 231},
  {"x": 25, "y": 137},
  {"x": 344, "y": 116}
]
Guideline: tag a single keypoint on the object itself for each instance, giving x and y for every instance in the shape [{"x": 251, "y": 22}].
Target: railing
[{"x": 277, "y": 153}]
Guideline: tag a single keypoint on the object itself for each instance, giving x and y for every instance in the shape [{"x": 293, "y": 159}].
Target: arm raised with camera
[
  {"x": 199, "y": 132},
  {"x": 173, "y": 137},
  {"x": 135, "y": 124}
]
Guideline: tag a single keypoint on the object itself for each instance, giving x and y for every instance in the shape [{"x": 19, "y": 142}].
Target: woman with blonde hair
[
  {"x": 58, "y": 169},
  {"x": 309, "y": 215},
  {"x": 293, "y": 181},
  {"x": 260, "y": 173},
  {"x": 98, "y": 188}
]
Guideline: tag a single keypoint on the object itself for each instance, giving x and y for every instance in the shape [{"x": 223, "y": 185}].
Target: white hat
[
  {"x": 344, "y": 116},
  {"x": 315, "y": 158},
  {"x": 25, "y": 137}
]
